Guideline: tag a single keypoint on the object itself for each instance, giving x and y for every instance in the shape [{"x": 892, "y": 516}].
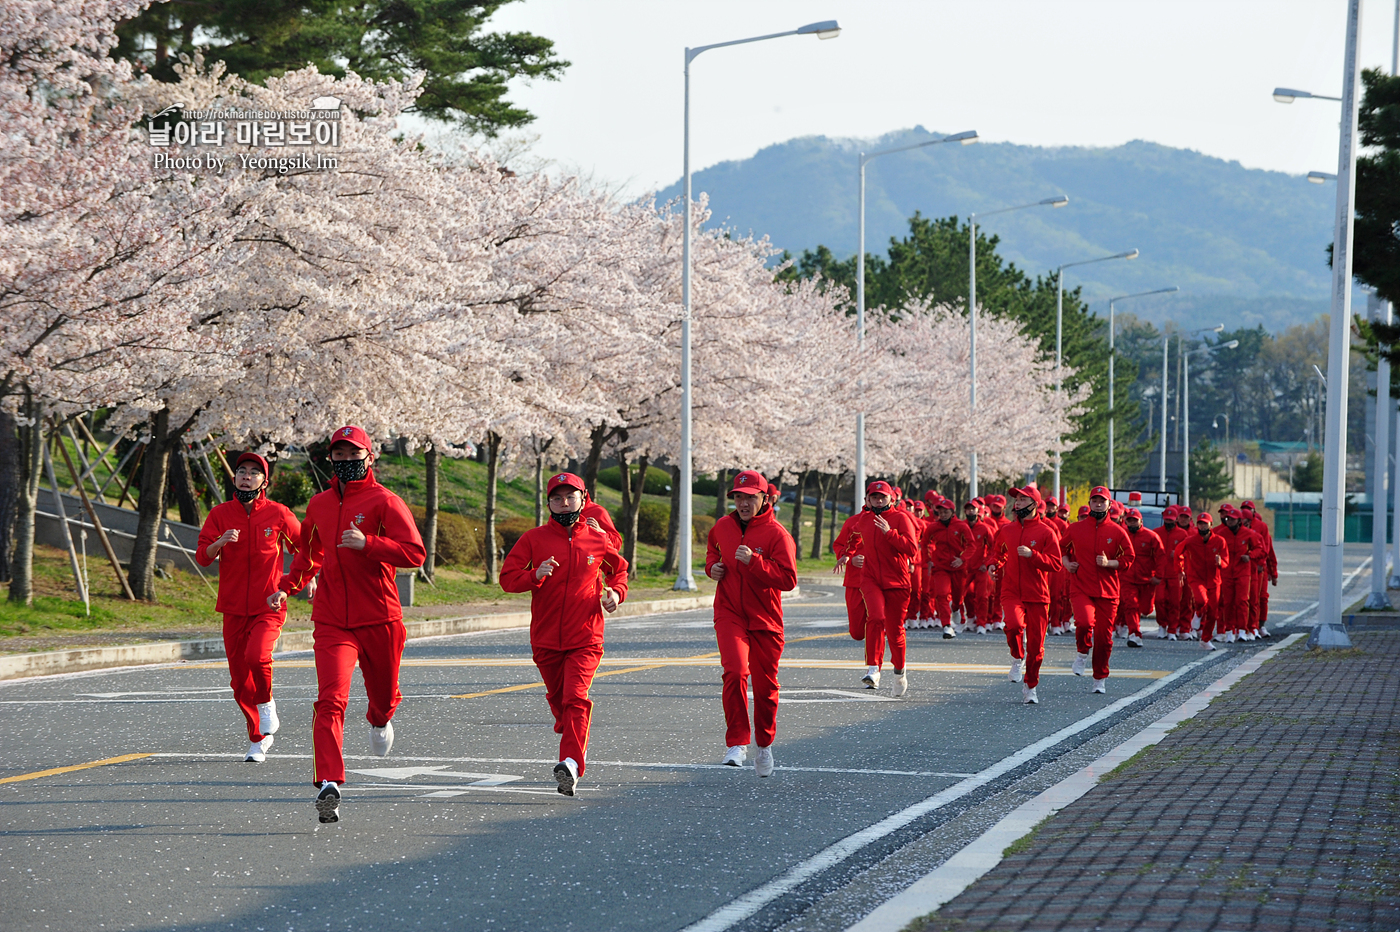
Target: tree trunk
[
  {"x": 150, "y": 508},
  {"x": 430, "y": 511},
  {"x": 596, "y": 438},
  {"x": 488, "y": 547},
  {"x": 669, "y": 565},
  {"x": 31, "y": 460},
  {"x": 632, "y": 488},
  {"x": 835, "y": 497},
  {"x": 720, "y": 483},
  {"x": 797, "y": 509},
  {"x": 823, "y": 492},
  {"x": 10, "y": 478},
  {"x": 539, "y": 489},
  {"x": 182, "y": 490}
]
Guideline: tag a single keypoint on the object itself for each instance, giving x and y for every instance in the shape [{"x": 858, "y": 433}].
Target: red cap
[
  {"x": 1133, "y": 513},
  {"x": 773, "y": 490},
  {"x": 997, "y": 500},
  {"x": 1100, "y": 491},
  {"x": 931, "y": 496},
  {"x": 1053, "y": 502},
  {"x": 1169, "y": 512},
  {"x": 1247, "y": 505},
  {"x": 880, "y": 485},
  {"x": 1063, "y": 510},
  {"x": 1204, "y": 518},
  {"x": 750, "y": 482},
  {"x": 567, "y": 479},
  {"x": 1083, "y": 510},
  {"x": 1115, "y": 508},
  {"x": 1029, "y": 491},
  {"x": 352, "y": 434},
  {"x": 919, "y": 508},
  {"x": 250, "y": 457}
]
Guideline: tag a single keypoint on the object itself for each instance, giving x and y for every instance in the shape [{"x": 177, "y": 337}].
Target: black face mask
[
  {"x": 945, "y": 521},
  {"x": 568, "y": 518},
  {"x": 1203, "y": 530},
  {"x": 247, "y": 496},
  {"x": 350, "y": 470},
  {"x": 881, "y": 510},
  {"x": 1024, "y": 514}
]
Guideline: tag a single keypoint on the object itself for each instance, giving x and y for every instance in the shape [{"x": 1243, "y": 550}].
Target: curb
[
  {"x": 943, "y": 884},
  {"x": 18, "y": 666}
]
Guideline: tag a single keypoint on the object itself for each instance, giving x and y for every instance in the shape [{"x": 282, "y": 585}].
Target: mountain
[{"x": 1246, "y": 246}]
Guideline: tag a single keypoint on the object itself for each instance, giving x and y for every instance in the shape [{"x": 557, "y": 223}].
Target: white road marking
[
  {"x": 405, "y": 773},
  {"x": 841, "y": 695},
  {"x": 441, "y": 791},
  {"x": 750, "y": 903}
]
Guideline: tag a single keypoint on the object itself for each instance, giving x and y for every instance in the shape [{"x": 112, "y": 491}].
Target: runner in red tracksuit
[
  {"x": 1246, "y": 551},
  {"x": 355, "y": 534},
  {"x": 754, "y": 560},
  {"x": 846, "y": 545},
  {"x": 1026, "y": 553},
  {"x": 1199, "y": 560},
  {"x": 597, "y": 517},
  {"x": 979, "y": 575},
  {"x": 1186, "y": 608},
  {"x": 1142, "y": 582},
  {"x": 918, "y": 573},
  {"x": 889, "y": 542},
  {"x": 1265, "y": 572},
  {"x": 1169, "y": 603},
  {"x": 574, "y": 574},
  {"x": 1059, "y": 584},
  {"x": 247, "y": 535},
  {"x": 948, "y": 546},
  {"x": 1095, "y": 550},
  {"x": 995, "y": 506}
]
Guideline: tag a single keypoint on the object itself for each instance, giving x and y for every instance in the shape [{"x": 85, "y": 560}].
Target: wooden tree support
[{"x": 97, "y": 525}]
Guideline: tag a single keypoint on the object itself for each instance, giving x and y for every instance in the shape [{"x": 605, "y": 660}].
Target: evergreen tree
[{"x": 1210, "y": 475}]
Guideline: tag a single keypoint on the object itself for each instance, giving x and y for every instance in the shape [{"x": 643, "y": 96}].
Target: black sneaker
[
  {"x": 328, "y": 803},
  {"x": 566, "y": 777}
]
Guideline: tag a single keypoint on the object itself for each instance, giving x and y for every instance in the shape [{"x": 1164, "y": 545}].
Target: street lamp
[
  {"x": 1059, "y": 341},
  {"x": 1112, "y": 330},
  {"x": 685, "y": 580},
  {"x": 966, "y": 138},
  {"x": 1060, "y": 201},
  {"x": 1180, "y": 343},
  {"x": 1286, "y": 95},
  {"x": 1186, "y": 414},
  {"x": 1320, "y": 177}
]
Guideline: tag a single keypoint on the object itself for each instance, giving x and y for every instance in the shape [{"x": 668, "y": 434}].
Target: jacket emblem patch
[
  {"x": 358, "y": 519},
  {"x": 758, "y": 550},
  {"x": 267, "y": 532},
  {"x": 590, "y": 559}
]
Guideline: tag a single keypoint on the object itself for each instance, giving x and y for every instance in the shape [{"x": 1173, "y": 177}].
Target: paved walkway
[{"x": 1276, "y": 807}]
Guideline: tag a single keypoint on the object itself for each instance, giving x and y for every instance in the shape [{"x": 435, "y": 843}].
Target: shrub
[
  {"x": 512, "y": 529},
  {"x": 653, "y": 523},
  {"x": 705, "y": 485},
  {"x": 657, "y": 480},
  {"x": 291, "y": 487},
  {"x": 459, "y": 538},
  {"x": 702, "y": 525}
]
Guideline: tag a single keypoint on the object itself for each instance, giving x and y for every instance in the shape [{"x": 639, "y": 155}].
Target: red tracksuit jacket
[
  {"x": 1171, "y": 538},
  {"x": 983, "y": 533},
  {"x": 357, "y": 586},
  {"x": 1083, "y": 540},
  {"x": 1241, "y": 542},
  {"x": 566, "y": 610},
  {"x": 1149, "y": 555},
  {"x": 249, "y": 568},
  {"x": 848, "y": 544},
  {"x": 750, "y": 595},
  {"x": 1270, "y": 562},
  {"x": 1195, "y": 556},
  {"x": 887, "y": 553},
  {"x": 1026, "y": 579},
  {"x": 944, "y": 543},
  {"x": 597, "y": 512}
]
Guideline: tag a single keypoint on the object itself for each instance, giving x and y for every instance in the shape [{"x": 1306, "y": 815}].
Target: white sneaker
[
  {"x": 871, "y": 678},
  {"x": 949, "y": 633},
  {"x": 1134, "y": 640},
  {"x": 1229, "y": 637},
  {"x": 1028, "y": 695},
  {"x": 901, "y": 684},
  {"x": 1195, "y": 622},
  {"x": 734, "y": 757},
  {"x": 1122, "y": 631},
  {"x": 1101, "y": 686},
  {"x": 1264, "y": 632},
  {"x": 1015, "y": 674},
  {"x": 763, "y": 763},
  {"x": 1208, "y": 645},
  {"x": 566, "y": 775},
  {"x": 1000, "y": 626},
  {"x": 257, "y": 751},
  {"x": 381, "y": 739},
  {"x": 1078, "y": 668},
  {"x": 328, "y": 803},
  {"x": 268, "y": 722},
  {"x": 1161, "y": 634},
  {"x": 1172, "y": 636}
]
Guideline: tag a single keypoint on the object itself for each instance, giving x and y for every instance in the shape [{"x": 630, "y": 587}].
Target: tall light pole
[
  {"x": 1060, "y": 201},
  {"x": 1215, "y": 425},
  {"x": 1186, "y": 415},
  {"x": 685, "y": 579},
  {"x": 966, "y": 138},
  {"x": 1166, "y": 344},
  {"x": 1112, "y": 331},
  {"x": 1059, "y": 338},
  {"x": 1380, "y": 469}
]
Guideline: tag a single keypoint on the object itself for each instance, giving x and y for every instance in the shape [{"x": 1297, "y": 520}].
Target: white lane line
[
  {"x": 650, "y": 765},
  {"x": 832, "y": 695},
  {"x": 439, "y": 790},
  {"x": 750, "y": 903},
  {"x": 959, "y": 872}
]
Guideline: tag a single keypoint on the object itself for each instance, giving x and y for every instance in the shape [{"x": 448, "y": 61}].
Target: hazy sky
[{"x": 1190, "y": 73}]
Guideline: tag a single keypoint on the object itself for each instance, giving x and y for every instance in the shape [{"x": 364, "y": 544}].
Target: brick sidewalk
[{"x": 1275, "y": 808}]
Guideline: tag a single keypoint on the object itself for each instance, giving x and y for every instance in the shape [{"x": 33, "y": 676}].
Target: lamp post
[
  {"x": 1166, "y": 343},
  {"x": 1059, "y": 337},
  {"x": 1112, "y": 331},
  {"x": 1215, "y": 425},
  {"x": 966, "y": 138},
  {"x": 1186, "y": 415},
  {"x": 1060, "y": 201},
  {"x": 685, "y": 579}
]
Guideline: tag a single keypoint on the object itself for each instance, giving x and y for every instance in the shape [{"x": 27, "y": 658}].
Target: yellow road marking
[{"x": 58, "y": 770}]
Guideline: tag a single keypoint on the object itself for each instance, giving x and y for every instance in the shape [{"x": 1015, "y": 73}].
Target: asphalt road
[{"x": 460, "y": 827}]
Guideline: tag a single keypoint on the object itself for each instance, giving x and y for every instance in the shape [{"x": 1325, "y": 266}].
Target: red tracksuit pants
[
  {"x": 917, "y": 582},
  {"x": 248, "y": 643},
  {"x": 961, "y": 591},
  {"x": 1135, "y": 601},
  {"x": 378, "y": 650},
  {"x": 1059, "y": 599},
  {"x": 855, "y": 612},
  {"x": 746, "y": 655},
  {"x": 979, "y": 597},
  {"x": 1030, "y": 619},
  {"x": 567, "y": 676},
  {"x": 1234, "y": 602},
  {"x": 1259, "y": 600},
  {"x": 943, "y": 585},
  {"x": 1169, "y": 607},
  {"x": 885, "y": 619},
  {"x": 1205, "y": 602},
  {"x": 1093, "y": 629}
]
